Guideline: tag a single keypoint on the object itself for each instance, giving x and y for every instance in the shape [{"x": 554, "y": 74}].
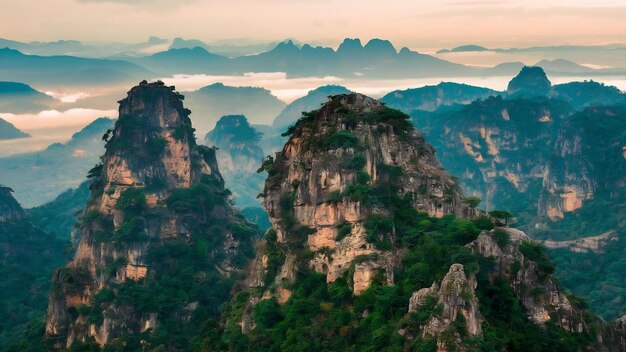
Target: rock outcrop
[
  {"x": 529, "y": 274},
  {"x": 156, "y": 198},
  {"x": 10, "y": 209},
  {"x": 530, "y": 82},
  {"x": 457, "y": 298},
  {"x": 320, "y": 187}
]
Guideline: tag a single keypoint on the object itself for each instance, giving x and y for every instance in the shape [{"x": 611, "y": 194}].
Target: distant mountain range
[
  {"x": 8, "y": 131},
  {"x": 376, "y": 59},
  {"x": 210, "y": 103},
  {"x": 21, "y": 98},
  {"x": 66, "y": 70},
  {"x": 604, "y": 55},
  {"x": 43, "y": 175}
]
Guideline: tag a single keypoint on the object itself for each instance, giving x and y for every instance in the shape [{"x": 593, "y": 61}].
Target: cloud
[
  {"x": 55, "y": 119},
  {"x": 144, "y": 4}
]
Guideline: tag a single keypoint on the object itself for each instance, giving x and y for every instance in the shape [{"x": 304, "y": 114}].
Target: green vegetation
[
  {"x": 501, "y": 237},
  {"x": 29, "y": 257},
  {"x": 327, "y": 317},
  {"x": 334, "y": 139},
  {"x": 533, "y": 251},
  {"x": 185, "y": 267},
  {"x": 501, "y": 215}
]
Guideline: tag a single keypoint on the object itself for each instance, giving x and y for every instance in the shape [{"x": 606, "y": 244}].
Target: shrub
[
  {"x": 343, "y": 230},
  {"x": 155, "y": 146},
  {"x": 502, "y": 237},
  {"x": 357, "y": 161},
  {"x": 132, "y": 201}
]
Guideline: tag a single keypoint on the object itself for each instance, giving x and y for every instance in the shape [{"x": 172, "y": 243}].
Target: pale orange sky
[{"x": 417, "y": 24}]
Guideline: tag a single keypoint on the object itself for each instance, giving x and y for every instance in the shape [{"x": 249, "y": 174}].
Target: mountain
[
  {"x": 588, "y": 93},
  {"x": 28, "y": 257},
  {"x": 185, "y": 60},
  {"x": 18, "y": 98},
  {"x": 45, "y": 174},
  {"x": 65, "y": 70},
  {"x": 228, "y": 49},
  {"x": 239, "y": 156},
  {"x": 497, "y": 147},
  {"x": 59, "y": 216},
  {"x": 376, "y": 59},
  {"x": 311, "y": 101},
  {"x": 373, "y": 247},
  {"x": 530, "y": 82},
  {"x": 77, "y": 48},
  {"x": 463, "y": 49},
  {"x": 160, "y": 246},
  {"x": 431, "y": 98},
  {"x": 562, "y": 66},
  {"x": 8, "y": 131},
  {"x": 553, "y": 161},
  {"x": 180, "y": 43},
  {"x": 212, "y": 102}
]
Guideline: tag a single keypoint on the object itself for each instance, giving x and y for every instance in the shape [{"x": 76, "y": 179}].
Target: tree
[
  {"x": 472, "y": 201},
  {"x": 501, "y": 215}
]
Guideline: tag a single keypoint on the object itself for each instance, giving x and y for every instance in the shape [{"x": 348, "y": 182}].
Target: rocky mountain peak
[
  {"x": 10, "y": 209},
  {"x": 531, "y": 81},
  {"x": 151, "y": 146},
  {"x": 330, "y": 178},
  {"x": 350, "y": 45},
  {"x": 157, "y": 210}
]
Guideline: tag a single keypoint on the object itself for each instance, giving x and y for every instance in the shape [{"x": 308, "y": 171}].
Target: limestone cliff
[
  {"x": 457, "y": 298},
  {"x": 156, "y": 198},
  {"x": 529, "y": 274},
  {"x": 587, "y": 163},
  {"x": 498, "y": 148},
  {"x": 321, "y": 188}
]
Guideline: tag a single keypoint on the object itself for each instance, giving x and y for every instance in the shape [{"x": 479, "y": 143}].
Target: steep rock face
[
  {"x": 499, "y": 148},
  {"x": 456, "y": 295},
  {"x": 530, "y": 82},
  {"x": 155, "y": 191},
  {"x": 239, "y": 157},
  {"x": 10, "y": 209},
  {"x": 317, "y": 192},
  {"x": 530, "y": 277},
  {"x": 587, "y": 162}
]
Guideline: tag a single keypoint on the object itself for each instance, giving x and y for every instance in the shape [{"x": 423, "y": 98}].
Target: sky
[{"x": 412, "y": 23}]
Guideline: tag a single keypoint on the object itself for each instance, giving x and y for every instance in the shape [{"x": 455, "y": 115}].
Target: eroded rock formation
[{"x": 155, "y": 197}]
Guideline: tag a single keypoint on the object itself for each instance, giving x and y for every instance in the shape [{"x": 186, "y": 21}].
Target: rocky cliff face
[
  {"x": 529, "y": 274},
  {"x": 10, "y": 209},
  {"x": 156, "y": 199},
  {"x": 356, "y": 199},
  {"x": 457, "y": 298},
  {"x": 321, "y": 188},
  {"x": 499, "y": 148},
  {"x": 587, "y": 162}
]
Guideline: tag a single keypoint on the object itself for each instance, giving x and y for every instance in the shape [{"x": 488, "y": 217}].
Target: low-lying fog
[{"x": 85, "y": 106}]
